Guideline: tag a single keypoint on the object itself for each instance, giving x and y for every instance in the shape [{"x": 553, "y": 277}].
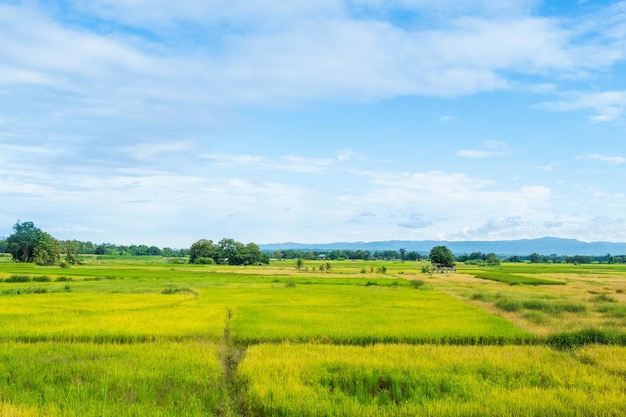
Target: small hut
[{"x": 444, "y": 269}]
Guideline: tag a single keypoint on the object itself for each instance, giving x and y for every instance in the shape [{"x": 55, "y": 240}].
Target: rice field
[
  {"x": 83, "y": 379},
  {"x": 433, "y": 380},
  {"x": 136, "y": 338}
]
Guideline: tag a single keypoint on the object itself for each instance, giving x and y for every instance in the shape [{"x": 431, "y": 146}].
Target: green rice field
[{"x": 137, "y": 337}]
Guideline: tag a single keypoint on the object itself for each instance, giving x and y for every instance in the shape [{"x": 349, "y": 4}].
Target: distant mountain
[{"x": 542, "y": 246}]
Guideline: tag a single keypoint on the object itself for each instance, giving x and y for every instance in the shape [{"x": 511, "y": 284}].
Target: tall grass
[
  {"x": 401, "y": 380},
  {"x": 364, "y": 315},
  {"x": 513, "y": 279},
  {"x": 84, "y": 380}
]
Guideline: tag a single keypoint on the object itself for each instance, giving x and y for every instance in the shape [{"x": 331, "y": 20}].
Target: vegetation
[
  {"x": 513, "y": 279},
  {"x": 441, "y": 255},
  {"x": 226, "y": 251},
  {"x": 426, "y": 380},
  {"x": 145, "y": 336},
  {"x": 30, "y": 244}
]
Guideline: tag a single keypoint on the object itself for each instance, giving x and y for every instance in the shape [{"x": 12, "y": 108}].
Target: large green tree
[
  {"x": 227, "y": 251},
  {"x": 204, "y": 248},
  {"x": 30, "y": 244},
  {"x": 441, "y": 255}
]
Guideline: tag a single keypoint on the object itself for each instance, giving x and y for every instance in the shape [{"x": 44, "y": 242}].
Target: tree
[
  {"x": 441, "y": 255},
  {"x": 47, "y": 250},
  {"x": 23, "y": 240},
  {"x": 299, "y": 264},
  {"x": 30, "y": 244},
  {"x": 203, "y": 248},
  {"x": 492, "y": 259},
  {"x": 230, "y": 250}
]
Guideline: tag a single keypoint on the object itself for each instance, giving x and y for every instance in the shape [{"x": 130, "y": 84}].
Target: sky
[{"x": 163, "y": 122}]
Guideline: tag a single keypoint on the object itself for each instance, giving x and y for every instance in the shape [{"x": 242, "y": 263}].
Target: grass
[
  {"x": 60, "y": 379},
  {"x": 363, "y": 315},
  {"x": 112, "y": 336},
  {"x": 513, "y": 279},
  {"x": 403, "y": 380}
]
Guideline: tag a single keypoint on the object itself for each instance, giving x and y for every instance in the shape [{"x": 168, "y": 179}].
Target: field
[{"x": 146, "y": 336}]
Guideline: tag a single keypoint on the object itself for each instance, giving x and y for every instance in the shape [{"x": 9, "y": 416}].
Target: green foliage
[
  {"x": 579, "y": 338},
  {"x": 299, "y": 264},
  {"x": 18, "y": 278},
  {"x": 441, "y": 255},
  {"x": 604, "y": 298},
  {"x": 417, "y": 284},
  {"x": 204, "y": 261},
  {"x": 227, "y": 251},
  {"x": 513, "y": 279},
  {"x": 42, "y": 278},
  {"x": 30, "y": 244},
  {"x": 203, "y": 249},
  {"x": 508, "y": 305}
]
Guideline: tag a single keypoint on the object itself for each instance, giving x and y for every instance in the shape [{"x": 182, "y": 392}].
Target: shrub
[
  {"x": 290, "y": 284},
  {"x": 479, "y": 296},
  {"x": 508, "y": 305},
  {"x": 42, "y": 278},
  {"x": 603, "y": 298},
  {"x": 18, "y": 278},
  {"x": 63, "y": 279},
  {"x": 179, "y": 290},
  {"x": 176, "y": 261},
  {"x": 417, "y": 284},
  {"x": 205, "y": 261},
  {"x": 586, "y": 337}
]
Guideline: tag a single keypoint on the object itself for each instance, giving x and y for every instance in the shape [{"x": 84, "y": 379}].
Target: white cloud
[
  {"x": 493, "y": 148},
  {"x": 606, "y": 106},
  {"x": 325, "y": 54},
  {"x": 416, "y": 221},
  {"x": 613, "y": 160},
  {"x": 469, "y": 153}
]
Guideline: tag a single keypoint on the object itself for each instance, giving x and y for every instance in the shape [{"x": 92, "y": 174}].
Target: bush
[
  {"x": 18, "y": 278},
  {"x": 204, "y": 261},
  {"x": 63, "y": 279},
  {"x": 290, "y": 284},
  {"x": 179, "y": 290},
  {"x": 42, "y": 278},
  {"x": 507, "y": 305},
  {"x": 603, "y": 298},
  {"x": 586, "y": 337},
  {"x": 176, "y": 261},
  {"x": 417, "y": 284}
]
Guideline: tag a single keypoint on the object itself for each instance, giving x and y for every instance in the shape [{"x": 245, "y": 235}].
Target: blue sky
[{"x": 160, "y": 122}]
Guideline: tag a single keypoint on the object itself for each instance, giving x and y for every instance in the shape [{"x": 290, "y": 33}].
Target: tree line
[
  {"x": 345, "y": 254},
  {"x": 28, "y": 243}
]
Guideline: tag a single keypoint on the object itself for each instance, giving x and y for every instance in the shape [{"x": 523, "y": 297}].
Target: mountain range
[{"x": 522, "y": 247}]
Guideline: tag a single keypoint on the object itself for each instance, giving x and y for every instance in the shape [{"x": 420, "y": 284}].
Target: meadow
[{"x": 149, "y": 336}]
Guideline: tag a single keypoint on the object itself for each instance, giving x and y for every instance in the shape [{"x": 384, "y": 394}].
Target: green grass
[
  {"x": 363, "y": 315},
  {"x": 148, "y": 337},
  {"x": 513, "y": 279},
  {"x": 83, "y": 380},
  {"x": 401, "y": 380}
]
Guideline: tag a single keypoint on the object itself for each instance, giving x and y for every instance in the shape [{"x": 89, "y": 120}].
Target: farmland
[{"x": 147, "y": 336}]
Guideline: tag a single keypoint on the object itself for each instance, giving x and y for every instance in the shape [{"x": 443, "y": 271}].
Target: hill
[{"x": 542, "y": 246}]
